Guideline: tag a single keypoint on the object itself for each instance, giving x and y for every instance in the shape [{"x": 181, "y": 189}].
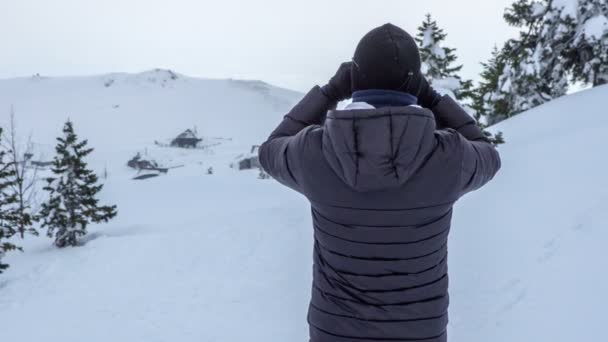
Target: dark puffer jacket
[{"x": 381, "y": 183}]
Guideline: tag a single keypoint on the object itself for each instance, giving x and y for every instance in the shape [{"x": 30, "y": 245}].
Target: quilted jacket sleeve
[
  {"x": 480, "y": 159},
  {"x": 280, "y": 154}
]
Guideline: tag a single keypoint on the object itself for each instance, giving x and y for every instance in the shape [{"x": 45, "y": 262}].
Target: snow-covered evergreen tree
[
  {"x": 72, "y": 202},
  {"x": 560, "y": 40},
  {"x": 557, "y": 27},
  {"x": 588, "y": 55},
  {"x": 8, "y": 203},
  {"x": 533, "y": 74},
  {"x": 440, "y": 69},
  {"x": 438, "y": 61},
  {"x": 490, "y": 104},
  {"x": 572, "y": 40},
  {"x": 522, "y": 84}
]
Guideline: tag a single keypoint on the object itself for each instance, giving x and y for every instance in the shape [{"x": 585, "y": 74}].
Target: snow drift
[
  {"x": 227, "y": 257},
  {"x": 527, "y": 255}
]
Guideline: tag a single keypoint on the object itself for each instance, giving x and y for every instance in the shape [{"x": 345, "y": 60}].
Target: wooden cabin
[
  {"x": 248, "y": 161},
  {"x": 187, "y": 139}
]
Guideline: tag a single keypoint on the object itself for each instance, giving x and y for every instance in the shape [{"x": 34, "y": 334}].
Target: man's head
[{"x": 387, "y": 58}]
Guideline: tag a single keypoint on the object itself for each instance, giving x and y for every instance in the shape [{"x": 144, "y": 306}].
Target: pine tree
[
  {"x": 440, "y": 69},
  {"x": 24, "y": 178},
  {"x": 574, "y": 40},
  {"x": 588, "y": 53},
  {"x": 8, "y": 204},
  {"x": 72, "y": 203},
  {"x": 504, "y": 89},
  {"x": 438, "y": 61},
  {"x": 522, "y": 77},
  {"x": 490, "y": 103},
  {"x": 556, "y": 30},
  {"x": 559, "y": 41},
  {"x": 533, "y": 65}
]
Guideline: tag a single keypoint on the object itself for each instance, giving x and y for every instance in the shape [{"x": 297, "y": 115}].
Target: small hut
[
  {"x": 41, "y": 164},
  {"x": 248, "y": 161},
  {"x": 188, "y": 139},
  {"x": 141, "y": 164},
  {"x": 37, "y": 164}
]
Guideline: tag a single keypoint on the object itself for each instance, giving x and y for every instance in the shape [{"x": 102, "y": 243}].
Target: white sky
[{"x": 294, "y": 44}]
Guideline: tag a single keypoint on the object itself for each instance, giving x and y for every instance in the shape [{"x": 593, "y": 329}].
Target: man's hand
[
  {"x": 427, "y": 96},
  {"x": 339, "y": 87}
]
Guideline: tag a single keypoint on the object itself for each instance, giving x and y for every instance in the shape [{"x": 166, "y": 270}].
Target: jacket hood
[{"x": 378, "y": 149}]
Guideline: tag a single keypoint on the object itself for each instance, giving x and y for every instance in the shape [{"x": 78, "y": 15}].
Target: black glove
[
  {"x": 427, "y": 96},
  {"x": 339, "y": 87}
]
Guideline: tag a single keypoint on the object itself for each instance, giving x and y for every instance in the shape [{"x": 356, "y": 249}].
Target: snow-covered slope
[
  {"x": 227, "y": 257},
  {"x": 117, "y": 111},
  {"x": 528, "y": 253}
]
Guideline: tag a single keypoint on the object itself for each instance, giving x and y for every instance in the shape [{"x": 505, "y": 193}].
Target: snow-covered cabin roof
[{"x": 187, "y": 134}]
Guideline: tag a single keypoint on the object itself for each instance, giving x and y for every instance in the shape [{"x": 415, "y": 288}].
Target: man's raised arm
[
  {"x": 279, "y": 155},
  {"x": 480, "y": 159}
]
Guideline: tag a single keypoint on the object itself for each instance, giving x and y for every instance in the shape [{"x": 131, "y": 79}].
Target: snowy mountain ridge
[
  {"x": 157, "y": 76},
  {"x": 120, "y": 113}
]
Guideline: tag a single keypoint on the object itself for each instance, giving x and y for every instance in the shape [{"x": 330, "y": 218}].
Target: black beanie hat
[{"x": 387, "y": 58}]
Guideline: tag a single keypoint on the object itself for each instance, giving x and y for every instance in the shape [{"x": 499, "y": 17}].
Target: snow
[
  {"x": 525, "y": 261},
  {"x": 187, "y": 134},
  {"x": 447, "y": 85},
  {"x": 227, "y": 257},
  {"x": 427, "y": 38},
  {"x": 569, "y": 8},
  {"x": 538, "y": 8},
  {"x": 506, "y": 87},
  {"x": 596, "y": 27},
  {"x": 424, "y": 68},
  {"x": 531, "y": 64},
  {"x": 438, "y": 51},
  {"x": 451, "y": 83},
  {"x": 429, "y": 42}
]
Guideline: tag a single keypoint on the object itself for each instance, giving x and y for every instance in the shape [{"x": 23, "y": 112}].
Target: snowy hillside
[
  {"x": 227, "y": 257},
  {"x": 117, "y": 112},
  {"x": 528, "y": 252}
]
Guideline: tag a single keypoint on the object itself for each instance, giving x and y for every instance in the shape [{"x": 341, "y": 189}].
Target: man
[{"x": 382, "y": 177}]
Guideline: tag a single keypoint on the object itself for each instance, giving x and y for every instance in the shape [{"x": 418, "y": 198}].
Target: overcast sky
[{"x": 294, "y": 44}]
